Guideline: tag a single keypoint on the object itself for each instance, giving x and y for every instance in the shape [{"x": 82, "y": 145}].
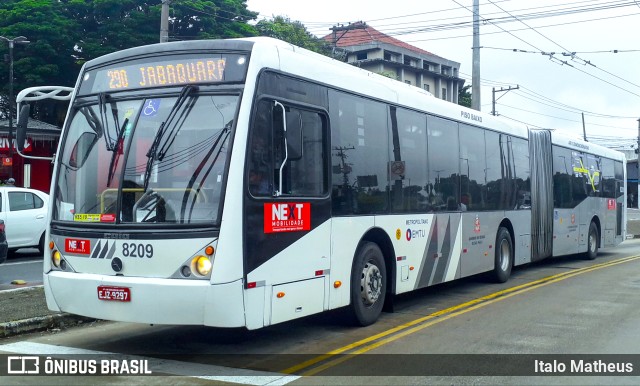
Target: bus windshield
[{"x": 146, "y": 160}]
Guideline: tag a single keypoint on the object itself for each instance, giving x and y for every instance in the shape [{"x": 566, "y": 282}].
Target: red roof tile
[{"x": 368, "y": 35}]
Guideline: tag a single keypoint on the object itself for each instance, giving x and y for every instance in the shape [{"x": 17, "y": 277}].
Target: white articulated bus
[{"x": 248, "y": 182}]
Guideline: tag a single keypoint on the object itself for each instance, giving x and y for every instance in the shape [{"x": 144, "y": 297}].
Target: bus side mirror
[
  {"x": 82, "y": 149},
  {"x": 21, "y": 129},
  {"x": 294, "y": 135}
]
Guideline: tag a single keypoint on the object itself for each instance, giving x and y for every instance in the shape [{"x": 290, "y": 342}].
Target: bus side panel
[
  {"x": 427, "y": 248},
  {"x": 306, "y": 258},
  {"x": 346, "y": 233},
  {"x": 571, "y": 226},
  {"x": 479, "y": 236},
  {"x": 521, "y": 222},
  {"x": 566, "y": 231}
]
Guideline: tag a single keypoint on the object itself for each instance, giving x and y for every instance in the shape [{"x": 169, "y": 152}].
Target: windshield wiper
[
  {"x": 102, "y": 106},
  {"x": 219, "y": 142},
  {"x": 153, "y": 153},
  {"x": 116, "y": 150},
  {"x": 179, "y": 120}
]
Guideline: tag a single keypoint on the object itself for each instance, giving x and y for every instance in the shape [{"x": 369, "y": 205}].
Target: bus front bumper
[{"x": 152, "y": 300}]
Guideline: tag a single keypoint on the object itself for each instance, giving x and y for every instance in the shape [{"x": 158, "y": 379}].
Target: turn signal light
[
  {"x": 51, "y": 245},
  {"x": 337, "y": 284},
  {"x": 209, "y": 250},
  {"x": 280, "y": 295}
]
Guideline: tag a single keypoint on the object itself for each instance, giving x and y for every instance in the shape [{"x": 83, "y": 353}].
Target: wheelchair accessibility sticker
[{"x": 151, "y": 107}]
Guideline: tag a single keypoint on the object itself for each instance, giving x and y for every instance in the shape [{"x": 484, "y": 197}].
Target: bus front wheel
[
  {"x": 592, "y": 242},
  {"x": 503, "y": 256},
  {"x": 368, "y": 284}
]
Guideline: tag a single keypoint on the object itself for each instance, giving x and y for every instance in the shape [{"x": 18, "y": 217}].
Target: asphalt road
[
  {"x": 561, "y": 306},
  {"x": 24, "y": 265}
]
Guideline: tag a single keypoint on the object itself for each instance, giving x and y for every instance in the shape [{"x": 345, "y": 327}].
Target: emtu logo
[{"x": 287, "y": 217}]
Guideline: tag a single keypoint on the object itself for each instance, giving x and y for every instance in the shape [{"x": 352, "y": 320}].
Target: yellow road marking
[{"x": 442, "y": 315}]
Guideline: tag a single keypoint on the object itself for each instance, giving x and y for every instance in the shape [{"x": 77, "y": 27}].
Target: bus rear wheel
[
  {"x": 503, "y": 256},
  {"x": 592, "y": 242},
  {"x": 368, "y": 284}
]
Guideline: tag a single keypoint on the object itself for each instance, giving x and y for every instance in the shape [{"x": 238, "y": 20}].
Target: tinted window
[
  {"x": 499, "y": 185},
  {"x": 562, "y": 175},
  {"x": 304, "y": 172},
  {"x": 521, "y": 172},
  {"x": 472, "y": 165},
  {"x": 594, "y": 175},
  {"x": 444, "y": 173},
  {"x": 408, "y": 170},
  {"x": 22, "y": 201},
  {"x": 580, "y": 180},
  {"x": 608, "y": 179},
  {"x": 260, "y": 157},
  {"x": 360, "y": 146}
]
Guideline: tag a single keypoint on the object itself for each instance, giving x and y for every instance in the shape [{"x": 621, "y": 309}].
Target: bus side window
[
  {"x": 260, "y": 156},
  {"x": 305, "y": 167}
]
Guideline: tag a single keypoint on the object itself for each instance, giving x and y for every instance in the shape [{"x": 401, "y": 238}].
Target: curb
[{"x": 41, "y": 323}]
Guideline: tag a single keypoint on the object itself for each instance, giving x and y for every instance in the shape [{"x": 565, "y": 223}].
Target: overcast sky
[{"x": 597, "y": 81}]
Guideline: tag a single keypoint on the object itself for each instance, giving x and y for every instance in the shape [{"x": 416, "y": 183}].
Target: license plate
[{"x": 117, "y": 294}]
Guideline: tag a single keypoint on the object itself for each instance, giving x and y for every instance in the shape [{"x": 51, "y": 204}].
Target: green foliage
[
  {"x": 464, "y": 96},
  {"x": 294, "y": 32},
  {"x": 64, "y": 34}
]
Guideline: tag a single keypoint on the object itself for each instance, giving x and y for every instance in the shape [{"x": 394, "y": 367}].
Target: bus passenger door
[{"x": 287, "y": 209}]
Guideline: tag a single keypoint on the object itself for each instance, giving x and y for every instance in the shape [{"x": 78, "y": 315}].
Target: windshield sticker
[
  {"x": 151, "y": 107},
  {"x": 107, "y": 217},
  {"x": 86, "y": 217},
  {"x": 94, "y": 217},
  {"x": 287, "y": 217}
]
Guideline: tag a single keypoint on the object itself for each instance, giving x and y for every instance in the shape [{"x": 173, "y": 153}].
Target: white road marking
[
  {"x": 167, "y": 366},
  {"x": 21, "y": 262}
]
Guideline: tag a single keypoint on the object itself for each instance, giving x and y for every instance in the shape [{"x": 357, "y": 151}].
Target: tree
[
  {"x": 112, "y": 25},
  {"x": 293, "y": 32},
  {"x": 48, "y": 59},
  {"x": 64, "y": 34},
  {"x": 464, "y": 96}
]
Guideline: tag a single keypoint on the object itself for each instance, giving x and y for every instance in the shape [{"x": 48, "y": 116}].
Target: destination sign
[{"x": 165, "y": 72}]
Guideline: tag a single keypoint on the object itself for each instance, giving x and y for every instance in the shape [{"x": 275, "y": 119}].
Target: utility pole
[
  {"x": 475, "y": 71},
  {"x": 12, "y": 42},
  {"x": 637, "y": 167},
  {"x": 584, "y": 129},
  {"x": 164, "y": 21},
  {"x": 493, "y": 99},
  {"x": 351, "y": 26}
]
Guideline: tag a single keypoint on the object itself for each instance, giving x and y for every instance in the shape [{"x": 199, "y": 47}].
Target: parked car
[
  {"x": 4, "y": 247},
  {"x": 24, "y": 212}
]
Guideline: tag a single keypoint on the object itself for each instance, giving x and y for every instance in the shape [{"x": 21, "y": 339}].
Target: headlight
[
  {"x": 201, "y": 265},
  {"x": 56, "y": 258}
]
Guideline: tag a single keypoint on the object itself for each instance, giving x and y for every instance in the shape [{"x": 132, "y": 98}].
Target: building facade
[
  {"x": 42, "y": 140},
  {"x": 377, "y": 52}
]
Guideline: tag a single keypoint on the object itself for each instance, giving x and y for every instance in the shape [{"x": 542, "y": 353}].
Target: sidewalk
[{"x": 25, "y": 310}]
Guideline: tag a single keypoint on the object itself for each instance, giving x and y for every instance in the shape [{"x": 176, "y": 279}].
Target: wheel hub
[{"x": 370, "y": 284}]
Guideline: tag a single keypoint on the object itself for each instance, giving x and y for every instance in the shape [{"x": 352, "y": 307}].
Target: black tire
[
  {"x": 41, "y": 244},
  {"x": 368, "y": 284},
  {"x": 503, "y": 256},
  {"x": 592, "y": 242}
]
